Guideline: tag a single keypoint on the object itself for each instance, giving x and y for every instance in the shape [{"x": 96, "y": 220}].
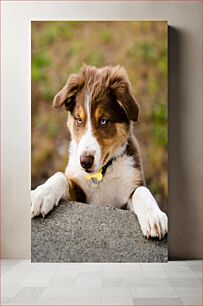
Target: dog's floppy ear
[
  {"x": 121, "y": 89},
  {"x": 66, "y": 96}
]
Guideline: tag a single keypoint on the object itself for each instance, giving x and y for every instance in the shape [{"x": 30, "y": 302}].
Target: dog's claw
[
  {"x": 43, "y": 214},
  {"x": 157, "y": 231},
  {"x": 147, "y": 235}
]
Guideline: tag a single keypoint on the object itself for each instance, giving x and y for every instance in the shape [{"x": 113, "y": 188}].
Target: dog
[{"x": 104, "y": 166}]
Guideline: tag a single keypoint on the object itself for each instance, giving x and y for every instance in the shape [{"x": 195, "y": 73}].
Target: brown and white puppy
[{"x": 104, "y": 166}]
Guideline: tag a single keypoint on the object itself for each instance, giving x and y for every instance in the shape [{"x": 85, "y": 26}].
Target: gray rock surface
[{"x": 77, "y": 232}]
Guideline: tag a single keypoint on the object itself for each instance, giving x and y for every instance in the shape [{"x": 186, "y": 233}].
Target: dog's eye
[
  {"x": 78, "y": 121},
  {"x": 103, "y": 122}
]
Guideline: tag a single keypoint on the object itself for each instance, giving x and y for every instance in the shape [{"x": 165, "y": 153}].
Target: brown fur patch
[
  {"x": 133, "y": 150},
  {"x": 100, "y": 82},
  {"x": 116, "y": 139},
  {"x": 75, "y": 191},
  {"x": 78, "y": 112}
]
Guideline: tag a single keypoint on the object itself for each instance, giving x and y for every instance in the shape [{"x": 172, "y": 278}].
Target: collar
[
  {"x": 107, "y": 165},
  {"x": 98, "y": 176}
]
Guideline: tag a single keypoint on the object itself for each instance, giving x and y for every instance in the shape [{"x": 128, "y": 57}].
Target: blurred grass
[{"x": 60, "y": 48}]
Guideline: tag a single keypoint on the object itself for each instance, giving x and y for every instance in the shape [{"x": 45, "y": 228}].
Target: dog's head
[{"x": 101, "y": 106}]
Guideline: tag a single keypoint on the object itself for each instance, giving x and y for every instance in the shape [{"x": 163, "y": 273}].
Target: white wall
[{"x": 184, "y": 112}]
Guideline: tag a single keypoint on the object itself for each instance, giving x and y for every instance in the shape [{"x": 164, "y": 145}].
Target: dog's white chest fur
[{"x": 116, "y": 186}]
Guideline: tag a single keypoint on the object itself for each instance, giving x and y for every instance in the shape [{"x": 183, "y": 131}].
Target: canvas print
[{"x": 99, "y": 141}]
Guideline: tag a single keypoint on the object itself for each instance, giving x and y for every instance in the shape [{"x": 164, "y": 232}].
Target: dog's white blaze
[{"x": 88, "y": 142}]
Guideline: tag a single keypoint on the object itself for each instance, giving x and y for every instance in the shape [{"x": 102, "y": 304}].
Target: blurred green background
[{"x": 60, "y": 48}]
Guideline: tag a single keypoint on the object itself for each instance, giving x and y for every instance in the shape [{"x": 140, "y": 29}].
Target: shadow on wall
[{"x": 183, "y": 211}]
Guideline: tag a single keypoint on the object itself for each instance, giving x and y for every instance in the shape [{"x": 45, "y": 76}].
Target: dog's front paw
[
  {"x": 154, "y": 223},
  {"x": 42, "y": 201},
  {"x": 46, "y": 196}
]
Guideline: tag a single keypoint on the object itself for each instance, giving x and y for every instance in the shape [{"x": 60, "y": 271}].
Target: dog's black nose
[{"x": 86, "y": 161}]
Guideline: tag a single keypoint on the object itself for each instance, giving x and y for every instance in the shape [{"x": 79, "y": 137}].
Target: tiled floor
[{"x": 172, "y": 283}]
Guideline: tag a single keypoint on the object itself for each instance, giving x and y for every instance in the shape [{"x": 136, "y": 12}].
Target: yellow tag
[{"x": 98, "y": 176}]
